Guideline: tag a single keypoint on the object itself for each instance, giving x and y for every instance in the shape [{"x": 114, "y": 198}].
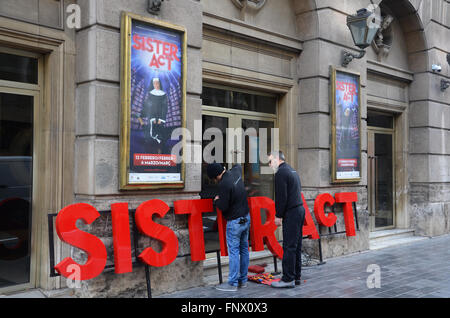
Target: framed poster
[
  {"x": 345, "y": 126},
  {"x": 153, "y": 95}
]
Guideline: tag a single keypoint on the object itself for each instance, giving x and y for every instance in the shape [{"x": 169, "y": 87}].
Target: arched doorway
[{"x": 396, "y": 55}]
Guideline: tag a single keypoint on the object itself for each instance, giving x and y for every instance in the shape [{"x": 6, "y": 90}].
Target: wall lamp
[
  {"x": 445, "y": 84},
  {"x": 363, "y": 27}
]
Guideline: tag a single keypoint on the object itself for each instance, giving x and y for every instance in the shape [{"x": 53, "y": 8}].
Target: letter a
[
  {"x": 74, "y": 18},
  {"x": 374, "y": 280}
]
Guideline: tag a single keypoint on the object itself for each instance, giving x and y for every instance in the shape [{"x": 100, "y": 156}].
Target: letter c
[{"x": 319, "y": 210}]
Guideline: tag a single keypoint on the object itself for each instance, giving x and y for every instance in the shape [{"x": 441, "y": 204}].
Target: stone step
[
  {"x": 388, "y": 238},
  {"x": 211, "y": 277},
  {"x": 210, "y": 264},
  {"x": 39, "y": 293},
  {"x": 389, "y": 234}
]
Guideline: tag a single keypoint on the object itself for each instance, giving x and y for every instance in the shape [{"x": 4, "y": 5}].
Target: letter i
[{"x": 121, "y": 238}]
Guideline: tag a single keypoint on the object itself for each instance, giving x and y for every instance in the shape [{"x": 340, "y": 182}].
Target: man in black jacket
[
  {"x": 291, "y": 214},
  {"x": 232, "y": 201}
]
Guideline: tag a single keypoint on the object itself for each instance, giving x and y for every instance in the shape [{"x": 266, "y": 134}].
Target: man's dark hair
[{"x": 278, "y": 154}]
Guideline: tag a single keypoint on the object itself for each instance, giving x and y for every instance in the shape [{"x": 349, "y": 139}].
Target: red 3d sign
[{"x": 260, "y": 234}]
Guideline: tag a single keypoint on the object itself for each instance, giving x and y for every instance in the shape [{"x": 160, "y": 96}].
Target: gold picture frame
[
  {"x": 150, "y": 53},
  {"x": 345, "y": 126}
]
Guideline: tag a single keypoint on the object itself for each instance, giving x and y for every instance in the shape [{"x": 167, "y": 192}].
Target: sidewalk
[{"x": 415, "y": 270}]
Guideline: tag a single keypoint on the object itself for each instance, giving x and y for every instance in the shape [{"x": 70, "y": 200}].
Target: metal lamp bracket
[
  {"x": 154, "y": 6},
  {"x": 347, "y": 57}
]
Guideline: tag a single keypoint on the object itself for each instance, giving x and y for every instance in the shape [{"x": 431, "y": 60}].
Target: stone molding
[{"x": 254, "y": 4}]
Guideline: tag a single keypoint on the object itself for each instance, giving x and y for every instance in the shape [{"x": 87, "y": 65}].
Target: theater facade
[{"x": 78, "y": 78}]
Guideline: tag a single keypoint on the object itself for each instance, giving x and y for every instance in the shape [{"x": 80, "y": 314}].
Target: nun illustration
[{"x": 153, "y": 115}]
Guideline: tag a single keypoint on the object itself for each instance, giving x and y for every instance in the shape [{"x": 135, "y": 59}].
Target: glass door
[
  {"x": 381, "y": 180},
  {"x": 16, "y": 185},
  {"x": 20, "y": 86},
  {"x": 259, "y": 131},
  {"x": 250, "y": 117},
  {"x": 255, "y": 131}
]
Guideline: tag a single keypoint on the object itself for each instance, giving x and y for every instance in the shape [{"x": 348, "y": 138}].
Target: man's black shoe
[
  {"x": 282, "y": 284},
  {"x": 298, "y": 282}
]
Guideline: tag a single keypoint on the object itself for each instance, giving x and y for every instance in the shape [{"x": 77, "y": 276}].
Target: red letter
[
  {"x": 137, "y": 41},
  {"x": 347, "y": 198},
  {"x": 169, "y": 62},
  {"x": 158, "y": 43},
  {"x": 70, "y": 234},
  {"x": 149, "y": 45},
  {"x": 160, "y": 232},
  {"x": 121, "y": 238},
  {"x": 161, "y": 60},
  {"x": 309, "y": 228},
  {"x": 154, "y": 61},
  {"x": 174, "y": 51},
  {"x": 319, "y": 210},
  {"x": 166, "y": 48},
  {"x": 260, "y": 233},
  {"x": 222, "y": 227},
  {"x": 195, "y": 208}
]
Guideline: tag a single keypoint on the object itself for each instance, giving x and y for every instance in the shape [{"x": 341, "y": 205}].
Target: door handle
[
  {"x": 373, "y": 184},
  {"x": 375, "y": 159}
]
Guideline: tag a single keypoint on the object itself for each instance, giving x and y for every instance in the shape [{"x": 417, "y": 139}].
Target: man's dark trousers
[{"x": 292, "y": 243}]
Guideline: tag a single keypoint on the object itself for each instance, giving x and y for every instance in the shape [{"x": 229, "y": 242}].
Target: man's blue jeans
[{"x": 237, "y": 243}]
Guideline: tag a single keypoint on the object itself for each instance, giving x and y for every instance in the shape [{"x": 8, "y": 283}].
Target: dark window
[
  {"x": 216, "y": 97},
  {"x": 375, "y": 119},
  {"x": 18, "y": 68},
  {"x": 239, "y": 100}
]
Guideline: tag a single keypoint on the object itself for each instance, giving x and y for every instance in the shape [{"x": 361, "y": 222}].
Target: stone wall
[
  {"x": 334, "y": 245},
  {"x": 429, "y": 166},
  {"x": 286, "y": 48},
  {"x": 97, "y": 141},
  {"x": 401, "y": 82},
  {"x": 323, "y": 42},
  {"x": 180, "y": 274}
]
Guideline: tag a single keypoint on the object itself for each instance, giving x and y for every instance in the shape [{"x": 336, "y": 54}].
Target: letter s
[
  {"x": 162, "y": 233},
  {"x": 68, "y": 232}
]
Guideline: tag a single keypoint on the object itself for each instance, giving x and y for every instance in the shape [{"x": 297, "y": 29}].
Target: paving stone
[{"x": 415, "y": 270}]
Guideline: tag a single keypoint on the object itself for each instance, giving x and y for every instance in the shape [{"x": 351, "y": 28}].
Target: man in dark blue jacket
[
  {"x": 232, "y": 201},
  {"x": 291, "y": 214}
]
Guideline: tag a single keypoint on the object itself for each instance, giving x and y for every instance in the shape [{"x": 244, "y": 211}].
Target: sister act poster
[{"x": 156, "y": 98}]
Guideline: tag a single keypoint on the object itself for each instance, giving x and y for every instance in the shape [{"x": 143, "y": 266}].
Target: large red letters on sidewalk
[{"x": 260, "y": 234}]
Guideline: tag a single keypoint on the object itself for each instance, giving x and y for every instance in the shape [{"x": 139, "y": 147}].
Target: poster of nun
[
  {"x": 346, "y": 133},
  {"x": 153, "y": 90}
]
